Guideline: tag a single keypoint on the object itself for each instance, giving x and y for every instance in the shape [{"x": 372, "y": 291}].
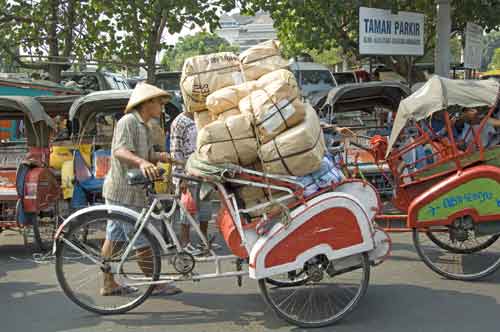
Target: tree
[
  {"x": 55, "y": 29},
  {"x": 200, "y": 43},
  {"x": 134, "y": 28},
  {"x": 491, "y": 42},
  {"x": 495, "y": 61},
  {"x": 326, "y": 24}
]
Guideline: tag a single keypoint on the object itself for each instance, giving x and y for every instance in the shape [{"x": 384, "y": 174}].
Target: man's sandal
[{"x": 120, "y": 290}]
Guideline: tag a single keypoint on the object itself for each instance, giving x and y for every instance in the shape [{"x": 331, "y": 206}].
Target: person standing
[
  {"x": 132, "y": 147},
  {"x": 182, "y": 144}
]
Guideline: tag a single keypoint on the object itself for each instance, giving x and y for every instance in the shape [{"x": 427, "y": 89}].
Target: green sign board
[{"x": 482, "y": 194}]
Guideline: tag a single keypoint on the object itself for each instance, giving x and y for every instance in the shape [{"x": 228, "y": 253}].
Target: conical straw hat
[{"x": 144, "y": 92}]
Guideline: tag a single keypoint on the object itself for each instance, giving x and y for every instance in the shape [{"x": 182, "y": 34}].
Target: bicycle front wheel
[{"x": 92, "y": 279}]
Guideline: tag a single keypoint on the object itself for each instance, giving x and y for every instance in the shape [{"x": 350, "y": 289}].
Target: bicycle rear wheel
[
  {"x": 80, "y": 265},
  {"x": 327, "y": 295}
]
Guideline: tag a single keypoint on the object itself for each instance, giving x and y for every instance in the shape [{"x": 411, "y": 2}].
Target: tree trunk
[
  {"x": 154, "y": 46},
  {"x": 55, "y": 72},
  {"x": 151, "y": 70},
  {"x": 52, "y": 40}
]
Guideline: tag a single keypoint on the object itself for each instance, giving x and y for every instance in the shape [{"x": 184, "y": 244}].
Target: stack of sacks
[
  {"x": 322, "y": 178},
  {"x": 228, "y": 141},
  {"x": 204, "y": 74},
  {"x": 202, "y": 119},
  {"x": 262, "y": 59},
  {"x": 276, "y": 107},
  {"x": 223, "y": 103},
  {"x": 297, "y": 151}
]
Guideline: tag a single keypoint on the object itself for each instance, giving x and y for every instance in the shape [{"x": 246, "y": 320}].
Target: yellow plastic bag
[
  {"x": 67, "y": 177},
  {"x": 60, "y": 154},
  {"x": 161, "y": 187}
]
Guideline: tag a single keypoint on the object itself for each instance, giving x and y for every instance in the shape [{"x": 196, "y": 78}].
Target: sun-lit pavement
[{"x": 403, "y": 296}]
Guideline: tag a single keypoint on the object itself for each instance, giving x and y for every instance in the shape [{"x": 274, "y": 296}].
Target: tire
[
  {"x": 42, "y": 235},
  {"x": 88, "y": 233},
  {"x": 288, "y": 279},
  {"x": 309, "y": 289},
  {"x": 485, "y": 243},
  {"x": 40, "y": 238},
  {"x": 44, "y": 227},
  {"x": 454, "y": 262}
]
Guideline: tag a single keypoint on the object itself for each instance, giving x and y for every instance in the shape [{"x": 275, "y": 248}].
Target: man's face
[{"x": 154, "y": 107}]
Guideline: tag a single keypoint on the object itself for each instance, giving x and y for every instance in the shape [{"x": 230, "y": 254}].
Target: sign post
[
  {"x": 473, "y": 46},
  {"x": 383, "y": 33}
]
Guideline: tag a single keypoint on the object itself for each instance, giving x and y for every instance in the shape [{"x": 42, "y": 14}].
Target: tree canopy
[
  {"x": 200, "y": 43},
  {"x": 495, "y": 61},
  {"x": 134, "y": 33},
  {"x": 126, "y": 31},
  {"x": 327, "y": 24},
  {"x": 54, "y": 29}
]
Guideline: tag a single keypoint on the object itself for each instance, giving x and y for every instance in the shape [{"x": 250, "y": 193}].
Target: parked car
[
  {"x": 91, "y": 81},
  {"x": 169, "y": 81},
  {"x": 313, "y": 78},
  {"x": 346, "y": 77}
]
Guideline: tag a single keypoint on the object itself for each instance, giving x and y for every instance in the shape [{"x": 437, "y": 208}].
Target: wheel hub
[
  {"x": 461, "y": 228},
  {"x": 315, "y": 273}
]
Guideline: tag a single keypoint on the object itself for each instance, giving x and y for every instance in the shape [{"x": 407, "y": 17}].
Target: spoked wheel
[
  {"x": 457, "y": 252},
  {"x": 292, "y": 278},
  {"x": 39, "y": 228},
  {"x": 330, "y": 291},
  {"x": 83, "y": 272}
]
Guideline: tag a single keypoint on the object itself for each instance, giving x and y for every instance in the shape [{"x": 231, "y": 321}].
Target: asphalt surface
[{"x": 404, "y": 295}]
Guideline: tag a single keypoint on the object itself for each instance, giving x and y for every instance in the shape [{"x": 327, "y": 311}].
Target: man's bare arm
[{"x": 128, "y": 157}]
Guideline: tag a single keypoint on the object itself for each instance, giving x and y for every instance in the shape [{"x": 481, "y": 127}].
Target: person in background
[{"x": 182, "y": 144}]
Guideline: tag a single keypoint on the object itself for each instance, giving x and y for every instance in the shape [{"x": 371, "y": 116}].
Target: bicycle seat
[{"x": 135, "y": 177}]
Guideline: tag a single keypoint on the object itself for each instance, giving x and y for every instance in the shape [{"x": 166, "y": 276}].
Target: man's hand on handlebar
[{"x": 149, "y": 170}]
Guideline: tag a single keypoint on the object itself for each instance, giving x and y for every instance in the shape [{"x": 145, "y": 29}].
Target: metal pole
[{"x": 442, "y": 55}]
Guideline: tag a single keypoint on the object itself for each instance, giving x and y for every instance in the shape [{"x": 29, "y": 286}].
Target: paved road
[{"x": 403, "y": 296}]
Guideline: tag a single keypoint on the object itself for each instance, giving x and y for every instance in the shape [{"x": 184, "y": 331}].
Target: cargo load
[
  {"x": 229, "y": 141},
  {"x": 227, "y": 99},
  {"x": 262, "y": 59},
  {"x": 202, "y": 119},
  {"x": 280, "y": 75},
  {"x": 204, "y": 74},
  {"x": 276, "y": 107},
  {"x": 297, "y": 151}
]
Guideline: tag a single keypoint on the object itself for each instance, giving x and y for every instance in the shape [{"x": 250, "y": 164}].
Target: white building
[{"x": 246, "y": 31}]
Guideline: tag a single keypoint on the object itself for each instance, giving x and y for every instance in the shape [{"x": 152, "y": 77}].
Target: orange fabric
[
  {"x": 6, "y": 124},
  {"x": 188, "y": 202}
]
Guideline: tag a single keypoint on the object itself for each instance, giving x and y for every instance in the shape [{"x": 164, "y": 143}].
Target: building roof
[{"x": 259, "y": 18}]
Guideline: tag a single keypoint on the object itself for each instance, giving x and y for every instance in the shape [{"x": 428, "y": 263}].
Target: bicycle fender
[
  {"x": 106, "y": 207},
  {"x": 472, "y": 192},
  {"x": 334, "y": 224}
]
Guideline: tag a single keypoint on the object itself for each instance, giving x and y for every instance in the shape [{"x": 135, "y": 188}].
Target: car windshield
[
  {"x": 316, "y": 77},
  {"x": 117, "y": 82},
  {"x": 344, "y": 78},
  {"x": 168, "y": 83}
]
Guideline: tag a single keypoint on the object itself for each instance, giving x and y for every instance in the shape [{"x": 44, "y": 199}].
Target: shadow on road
[{"x": 385, "y": 308}]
